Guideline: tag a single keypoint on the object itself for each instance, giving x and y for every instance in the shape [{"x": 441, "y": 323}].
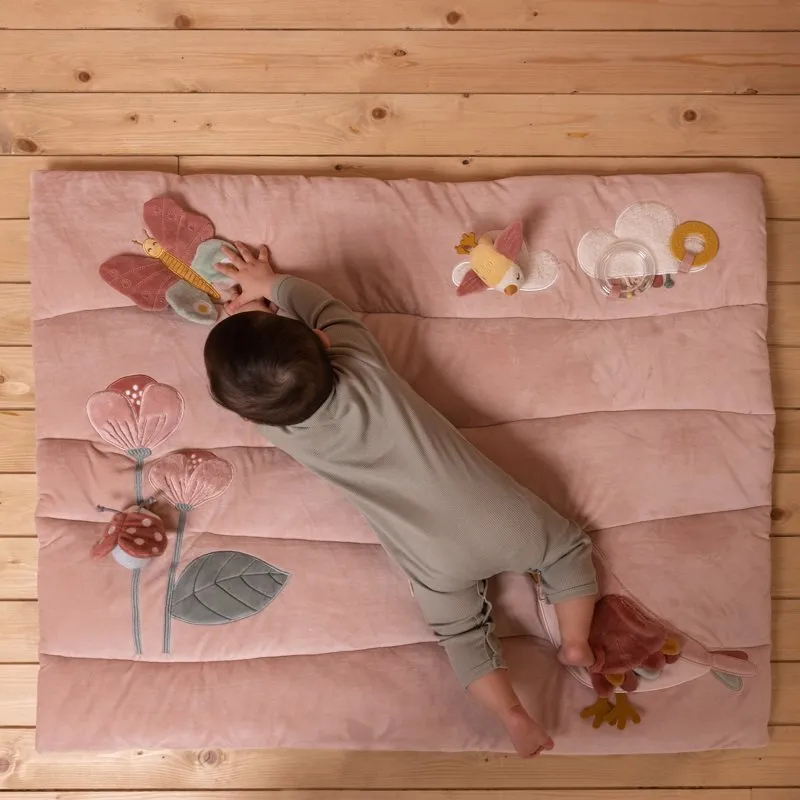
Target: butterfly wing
[
  {"x": 141, "y": 279},
  {"x": 176, "y": 229},
  {"x": 509, "y": 242}
]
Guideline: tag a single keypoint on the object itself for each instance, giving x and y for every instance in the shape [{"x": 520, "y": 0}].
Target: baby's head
[{"x": 268, "y": 369}]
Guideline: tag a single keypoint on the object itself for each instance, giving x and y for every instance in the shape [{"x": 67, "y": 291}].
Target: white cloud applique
[{"x": 647, "y": 241}]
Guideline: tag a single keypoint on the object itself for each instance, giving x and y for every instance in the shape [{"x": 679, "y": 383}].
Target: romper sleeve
[{"x": 318, "y": 309}]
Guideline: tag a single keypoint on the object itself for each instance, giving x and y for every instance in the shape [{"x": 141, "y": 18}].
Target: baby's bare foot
[
  {"x": 576, "y": 654},
  {"x": 528, "y": 738}
]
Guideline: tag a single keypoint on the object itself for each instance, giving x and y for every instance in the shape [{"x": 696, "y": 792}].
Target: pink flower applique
[{"x": 187, "y": 479}]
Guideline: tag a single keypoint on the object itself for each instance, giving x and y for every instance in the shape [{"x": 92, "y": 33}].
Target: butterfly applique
[{"x": 177, "y": 267}]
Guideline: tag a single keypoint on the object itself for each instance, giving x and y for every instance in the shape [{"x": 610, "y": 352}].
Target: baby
[{"x": 323, "y": 392}]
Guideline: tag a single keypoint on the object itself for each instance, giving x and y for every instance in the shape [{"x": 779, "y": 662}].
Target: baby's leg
[
  {"x": 570, "y": 583},
  {"x": 574, "y": 621}
]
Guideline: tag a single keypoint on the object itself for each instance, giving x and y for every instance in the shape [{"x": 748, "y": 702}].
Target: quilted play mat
[{"x": 602, "y": 339}]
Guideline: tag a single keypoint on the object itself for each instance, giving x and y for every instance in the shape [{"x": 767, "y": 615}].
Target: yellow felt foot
[
  {"x": 600, "y": 709},
  {"x": 671, "y": 648},
  {"x": 468, "y": 242},
  {"x": 622, "y": 712}
]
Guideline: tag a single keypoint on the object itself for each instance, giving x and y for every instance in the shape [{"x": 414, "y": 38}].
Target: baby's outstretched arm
[
  {"x": 463, "y": 624},
  {"x": 308, "y": 302}
]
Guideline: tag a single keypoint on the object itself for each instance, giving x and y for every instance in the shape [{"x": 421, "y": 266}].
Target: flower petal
[
  {"x": 210, "y": 479},
  {"x": 113, "y": 418},
  {"x": 160, "y": 413},
  {"x": 130, "y": 383},
  {"x": 191, "y": 478},
  {"x": 167, "y": 476}
]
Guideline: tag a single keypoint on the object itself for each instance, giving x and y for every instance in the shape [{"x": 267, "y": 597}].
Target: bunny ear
[{"x": 509, "y": 242}]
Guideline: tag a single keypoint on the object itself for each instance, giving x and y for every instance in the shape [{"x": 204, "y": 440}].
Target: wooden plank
[
  {"x": 18, "y": 560},
  {"x": 17, "y": 441},
  {"x": 15, "y": 321},
  {"x": 774, "y": 766},
  {"x": 776, "y": 794},
  {"x": 781, "y": 175},
  {"x": 784, "y": 321},
  {"x": 605, "y": 62},
  {"x": 13, "y": 250},
  {"x": 712, "y": 15},
  {"x": 785, "y": 693},
  {"x": 785, "y": 370},
  {"x": 785, "y": 630},
  {"x": 442, "y": 124},
  {"x": 401, "y": 794},
  {"x": 13, "y": 247},
  {"x": 19, "y": 623},
  {"x": 786, "y": 504},
  {"x": 15, "y": 172},
  {"x": 18, "y": 698},
  {"x": 17, "y": 502},
  {"x": 16, "y": 378},
  {"x": 786, "y": 567},
  {"x": 783, "y": 251},
  {"x": 787, "y": 441}
]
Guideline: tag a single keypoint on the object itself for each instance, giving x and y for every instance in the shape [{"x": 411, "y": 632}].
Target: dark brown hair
[{"x": 268, "y": 369}]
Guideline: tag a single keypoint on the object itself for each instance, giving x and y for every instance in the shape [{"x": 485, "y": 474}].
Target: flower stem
[
  {"x": 137, "y": 480},
  {"x": 137, "y": 627},
  {"x": 173, "y": 569},
  {"x": 139, "y": 456}
]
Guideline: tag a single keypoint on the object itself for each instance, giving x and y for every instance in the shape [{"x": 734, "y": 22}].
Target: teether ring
[{"x": 693, "y": 244}]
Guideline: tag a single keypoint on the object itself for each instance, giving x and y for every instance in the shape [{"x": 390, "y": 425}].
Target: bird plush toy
[{"x": 492, "y": 261}]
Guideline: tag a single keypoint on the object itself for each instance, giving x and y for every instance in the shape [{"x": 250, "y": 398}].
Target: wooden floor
[{"x": 428, "y": 88}]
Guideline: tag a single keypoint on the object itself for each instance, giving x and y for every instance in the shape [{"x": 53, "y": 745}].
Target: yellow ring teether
[{"x": 677, "y": 242}]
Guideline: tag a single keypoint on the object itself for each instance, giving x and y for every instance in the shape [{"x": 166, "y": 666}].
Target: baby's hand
[{"x": 253, "y": 274}]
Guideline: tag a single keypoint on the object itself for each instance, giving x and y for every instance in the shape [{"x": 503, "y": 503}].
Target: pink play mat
[{"x": 627, "y": 384}]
